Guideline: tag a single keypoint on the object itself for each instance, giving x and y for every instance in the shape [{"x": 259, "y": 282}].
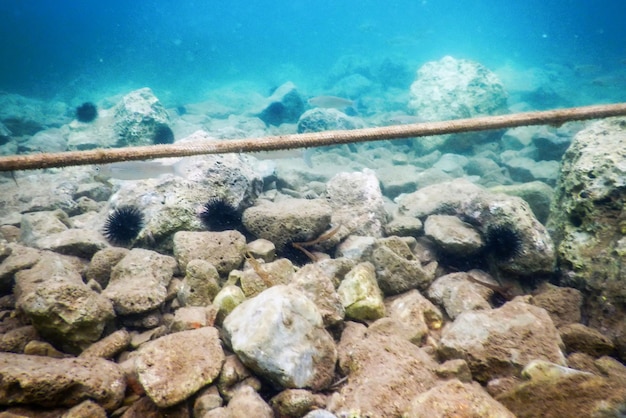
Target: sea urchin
[
  {"x": 219, "y": 215},
  {"x": 503, "y": 242},
  {"x": 123, "y": 225},
  {"x": 87, "y": 112}
]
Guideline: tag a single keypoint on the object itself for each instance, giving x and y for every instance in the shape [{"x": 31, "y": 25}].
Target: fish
[
  {"x": 330, "y": 102},
  {"x": 138, "y": 170}
]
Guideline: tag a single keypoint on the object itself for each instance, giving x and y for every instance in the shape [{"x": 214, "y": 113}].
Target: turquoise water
[{"x": 75, "y": 50}]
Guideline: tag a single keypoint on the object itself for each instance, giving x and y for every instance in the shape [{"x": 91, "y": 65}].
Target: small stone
[
  {"x": 42, "y": 348},
  {"x": 102, "y": 262},
  {"x": 296, "y": 402},
  {"x": 189, "y": 317},
  {"x": 86, "y": 409},
  {"x": 456, "y": 368},
  {"x": 224, "y": 250},
  {"x": 226, "y": 300},
  {"x": 206, "y": 400},
  {"x": 247, "y": 402},
  {"x": 15, "y": 340},
  {"x": 200, "y": 285},
  {"x": 109, "y": 346},
  {"x": 360, "y": 295},
  {"x": 262, "y": 248},
  {"x": 452, "y": 235}
]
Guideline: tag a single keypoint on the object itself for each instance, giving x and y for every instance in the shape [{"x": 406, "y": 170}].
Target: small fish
[
  {"x": 329, "y": 102},
  {"x": 138, "y": 170}
]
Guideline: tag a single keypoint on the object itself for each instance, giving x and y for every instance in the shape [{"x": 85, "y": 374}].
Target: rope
[{"x": 315, "y": 139}]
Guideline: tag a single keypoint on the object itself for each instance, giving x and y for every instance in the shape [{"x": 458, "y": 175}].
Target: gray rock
[
  {"x": 448, "y": 398},
  {"x": 280, "y": 335},
  {"x": 20, "y": 258},
  {"x": 247, "y": 402},
  {"x": 100, "y": 133},
  {"x": 83, "y": 243},
  {"x": 524, "y": 169},
  {"x": 137, "y": 117},
  {"x": 319, "y": 119},
  {"x": 501, "y": 342},
  {"x": 357, "y": 202},
  {"x": 416, "y": 314},
  {"x": 200, "y": 285},
  {"x": 536, "y": 193},
  {"x": 50, "y": 140},
  {"x": 60, "y": 306},
  {"x": 86, "y": 409},
  {"x": 174, "y": 367},
  {"x": 404, "y": 226},
  {"x": 397, "y": 179},
  {"x": 484, "y": 210},
  {"x": 48, "y": 382},
  {"x": 102, "y": 262},
  {"x": 224, "y": 250},
  {"x": 457, "y": 294},
  {"x": 399, "y": 370},
  {"x": 262, "y": 248},
  {"x": 397, "y": 268},
  {"x": 285, "y": 105},
  {"x": 25, "y": 116},
  {"x": 452, "y": 235},
  {"x": 290, "y": 220},
  {"x": 37, "y": 225},
  {"x": 455, "y": 88},
  {"x": 139, "y": 281},
  {"x": 280, "y": 271},
  {"x": 317, "y": 284}
]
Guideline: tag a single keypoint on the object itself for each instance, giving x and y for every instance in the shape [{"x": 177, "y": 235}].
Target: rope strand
[{"x": 315, "y": 139}]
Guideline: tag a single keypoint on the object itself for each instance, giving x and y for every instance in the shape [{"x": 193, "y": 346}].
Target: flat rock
[
  {"x": 280, "y": 335},
  {"x": 139, "y": 281},
  {"x": 82, "y": 243},
  {"x": 174, "y": 367},
  {"x": 223, "y": 249},
  {"x": 457, "y": 294},
  {"x": 452, "y": 235},
  {"x": 49, "y": 382}
]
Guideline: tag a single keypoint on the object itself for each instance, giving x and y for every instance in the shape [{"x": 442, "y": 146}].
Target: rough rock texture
[
  {"x": 319, "y": 119},
  {"x": 416, "y": 313},
  {"x": 589, "y": 221},
  {"x": 452, "y": 235},
  {"x": 137, "y": 117},
  {"x": 454, "y": 398},
  {"x": 563, "y": 304},
  {"x": 52, "y": 382},
  {"x": 454, "y": 89},
  {"x": 457, "y": 294},
  {"x": 485, "y": 210},
  {"x": 139, "y": 281},
  {"x": 280, "y": 335},
  {"x": 360, "y": 295},
  {"x": 61, "y": 307},
  {"x": 78, "y": 242},
  {"x": 384, "y": 373},
  {"x": 224, "y": 250},
  {"x": 19, "y": 258},
  {"x": 579, "y": 338},
  {"x": 291, "y": 220},
  {"x": 176, "y": 366},
  {"x": 500, "y": 342},
  {"x": 200, "y": 285},
  {"x": 553, "y": 391},
  {"x": 171, "y": 203},
  {"x": 101, "y": 264},
  {"x": 357, "y": 202}
]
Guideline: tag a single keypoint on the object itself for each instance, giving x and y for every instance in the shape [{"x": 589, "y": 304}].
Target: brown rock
[
  {"x": 222, "y": 249},
  {"x": 578, "y": 337},
  {"x": 562, "y": 303},
  {"x": 109, "y": 346},
  {"x": 296, "y": 402},
  {"x": 86, "y": 409},
  {"x": 102, "y": 263}
]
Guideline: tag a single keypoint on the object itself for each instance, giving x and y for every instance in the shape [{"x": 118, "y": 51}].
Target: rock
[
  {"x": 355, "y": 247},
  {"x": 200, "y": 285},
  {"x": 42, "y": 348},
  {"x": 285, "y": 105},
  {"x": 139, "y": 281},
  {"x": 321, "y": 119},
  {"x": 193, "y": 317},
  {"x": 37, "y": 225},
  {"x": 452, "y": 235},
  {"x": 317, "y": 283},
  {"x": 527, "y": 252},
  {"x": 86, "y": 409},
  {"x": 551, "y": 143},
  {"x": 563, "y": 304},
  {"x": 404, "y": 226},
  {"x": 397, "y": 179},
  {"x": 455, "y": 88},
  {"x": 524, "y": 169},
  {"x": 553, "y": 391},
  {"x": 280, "y": 335},
  {"x": 287, "y": 221},
  {"x": 50, "y": 140},
  {"x": 233, "y": 375},
  {"x": 227, "y": 299},
  {"x": 109, "y": 346},
  {"x": 146, "y": 408},
  {"x": 416, "y": 313},
  {"x": 360, "y": 295},
  {"x": 454, "y": 398},
  {"x": 262, "y": 248},
  {"x": 48, "y": 382},
  {"x": 206, "y": 400},
  {"x": 15, "y": 340},
  {"x": 20, "y": 258},
  {"x": 501, "y": 342},
  {"x": 280, "y": 271},
  {"x": 357, "y": 202},
  {"x": 579, "y": 338},
  {"x": 400, "y": 370},
  {"x": 397, "y": 269},
  {"x": 536, "y": 193},
  {"x": 296, "y": 402},
  {"x": 224, "y": 250},
  {"x": 588, "y": 222},
  {"x": 61, "y": 307},
  {"x": 102, "y": 262},
  {"x": 82, "y": 243},
  {"x": 174, "y": 367},
  {"x": 24, "y": 116},
  {"x": 458, "y": 294},
  {"x": 456, "y": 368},
  {"x": 137, "y": 117},
  {"x": 246, "y": 402}
]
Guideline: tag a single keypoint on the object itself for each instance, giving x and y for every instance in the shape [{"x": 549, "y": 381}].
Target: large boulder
[
  {"x": 453, "y": 89},
  {"x": 285, "y": 105},
  {"x": 138, "y": 116}
]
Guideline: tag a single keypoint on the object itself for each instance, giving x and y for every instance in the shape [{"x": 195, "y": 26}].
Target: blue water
[{"x": 77, "y": 49}]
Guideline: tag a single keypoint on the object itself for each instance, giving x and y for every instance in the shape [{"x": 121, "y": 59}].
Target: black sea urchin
[
  {"x": 163, "y": 134},
  {"x": 123, "y": 225},
  {"x": 219, "y": 215},
  {"x": 87, "y": 112},
  {"x": 503, "y": 242}
]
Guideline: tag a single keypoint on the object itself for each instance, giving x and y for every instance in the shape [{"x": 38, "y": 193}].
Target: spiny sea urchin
[
  {"x": 123, "y": 225},
  {"x": 503, "y": 242},
  {"x": 218, "y": 214},
  {"x": 163, "y": 134},
  {"x": 87, "y": 112}
]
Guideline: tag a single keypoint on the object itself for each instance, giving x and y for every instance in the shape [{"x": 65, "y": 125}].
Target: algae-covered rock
[
  {"x": 360, "y": 295},
  {"x": 227, "y": 299},
  {"x": 200, "y": 285}
]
